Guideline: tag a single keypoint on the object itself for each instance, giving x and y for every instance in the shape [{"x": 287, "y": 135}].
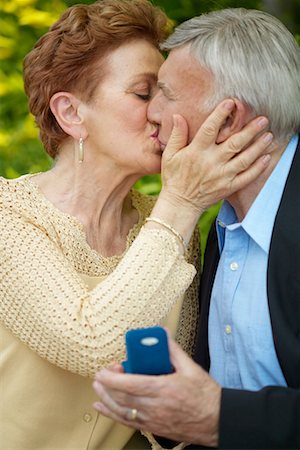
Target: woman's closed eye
[{"x": 145, "y": 97}]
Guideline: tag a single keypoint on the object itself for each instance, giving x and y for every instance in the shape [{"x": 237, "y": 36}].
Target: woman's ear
[
  {"x": 235, "y": 122},
  {"x": 66, "y": 109}
]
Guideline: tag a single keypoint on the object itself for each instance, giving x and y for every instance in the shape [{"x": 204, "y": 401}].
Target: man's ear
[
  {"x": 235, "y": 122},
  {"x": 66, "y": 109}
]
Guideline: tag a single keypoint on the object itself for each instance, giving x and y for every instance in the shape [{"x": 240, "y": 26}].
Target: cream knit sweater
[{"x": 45, "y": 303}]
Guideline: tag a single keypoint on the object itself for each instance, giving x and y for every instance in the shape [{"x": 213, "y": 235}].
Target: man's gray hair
[{"x": 253, "y": 57}]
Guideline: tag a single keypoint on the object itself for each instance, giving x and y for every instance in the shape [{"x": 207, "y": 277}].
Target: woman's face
[{"x": 116, "y": 117}]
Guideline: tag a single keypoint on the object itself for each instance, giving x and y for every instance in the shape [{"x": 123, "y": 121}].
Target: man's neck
[{"x": 242, "y": 200}]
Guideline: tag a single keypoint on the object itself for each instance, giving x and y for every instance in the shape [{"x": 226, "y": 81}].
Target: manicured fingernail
[
  {"x": 99, "y": 375},
  {"x": 268, "y": 138},
  {"x": 229, "y": 104},
  {"x": 175, "y": 120},
  {"x": 266, "y": 159},
  {"x": 262, "y": 122},
  {"x": 97, "y": 405}
]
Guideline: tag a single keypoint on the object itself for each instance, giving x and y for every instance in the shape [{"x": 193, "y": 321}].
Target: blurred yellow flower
[
  {"x": 6, "y": 47},
  {"x": 35, "y": 18},
  {"x": 11, "y": 6},
  {"x": 3, "y": 89},
  {"x": 30, "y": 129},
  {"x": 11, "y": 83},
  {"x": 4, "y": 139}
]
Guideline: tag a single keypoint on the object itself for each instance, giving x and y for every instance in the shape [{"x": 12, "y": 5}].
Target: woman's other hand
[
  {"x": 200, "y": 174},
  {"x": 203, "y": 173}
]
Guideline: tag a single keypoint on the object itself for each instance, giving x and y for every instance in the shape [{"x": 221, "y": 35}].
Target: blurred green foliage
[{"x": 22, "y": 22}]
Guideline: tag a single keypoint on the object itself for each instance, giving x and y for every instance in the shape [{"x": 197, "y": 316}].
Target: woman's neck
[{"x": 98, "y": 195}]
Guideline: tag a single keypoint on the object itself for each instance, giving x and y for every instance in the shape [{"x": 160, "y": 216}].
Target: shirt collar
[
  {"x": 226, "y": 218},
  {"x": 264, "y": 208}
]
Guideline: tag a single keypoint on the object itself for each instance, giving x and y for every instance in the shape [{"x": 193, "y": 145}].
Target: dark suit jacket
[{"x": 269, "y": 418}]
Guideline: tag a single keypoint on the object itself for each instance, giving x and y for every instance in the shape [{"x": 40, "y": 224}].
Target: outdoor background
[{"x": 22, "y": 22}]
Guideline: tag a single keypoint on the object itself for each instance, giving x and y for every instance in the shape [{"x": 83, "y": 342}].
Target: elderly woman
[{"x": 77, "y": 267}]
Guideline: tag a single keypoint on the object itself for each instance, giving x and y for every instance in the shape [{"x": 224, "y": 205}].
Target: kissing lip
[
  {"x": 162, "y": 144},
  {"x": 155, "y": 133}
]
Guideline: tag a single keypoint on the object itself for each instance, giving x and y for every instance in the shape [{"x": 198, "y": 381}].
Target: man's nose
[{"x": 154, "y": 109}]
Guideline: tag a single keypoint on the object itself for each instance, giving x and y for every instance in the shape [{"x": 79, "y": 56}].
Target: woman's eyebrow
[{"x": 151, "y": 76}]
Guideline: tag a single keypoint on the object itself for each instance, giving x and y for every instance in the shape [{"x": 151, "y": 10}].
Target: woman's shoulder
[
  {"x": 17, "y": 196},
  {"x": 11, "y": 189},
  {"x": 13, "y": 183}
]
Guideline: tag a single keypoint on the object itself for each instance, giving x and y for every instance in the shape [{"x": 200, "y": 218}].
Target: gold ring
[{"x": 131, "y": 414}]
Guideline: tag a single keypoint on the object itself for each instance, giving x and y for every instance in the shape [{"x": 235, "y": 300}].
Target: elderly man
[{"x": 249, "y": 329}]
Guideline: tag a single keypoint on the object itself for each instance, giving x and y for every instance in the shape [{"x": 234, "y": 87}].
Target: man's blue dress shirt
[{"x": 240, "y": 336}]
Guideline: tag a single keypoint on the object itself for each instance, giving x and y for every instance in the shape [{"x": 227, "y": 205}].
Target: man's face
[{"x": 184, "y": 86}]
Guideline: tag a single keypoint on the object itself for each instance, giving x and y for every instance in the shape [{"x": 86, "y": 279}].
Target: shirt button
[
  {"x": 234, "y": 266},
  {"x": 87, "y": 417},
  {"x": 228, "y": 329}
]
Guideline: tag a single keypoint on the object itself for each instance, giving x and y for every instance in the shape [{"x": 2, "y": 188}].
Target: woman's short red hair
[{"x": 69, "y": 56}]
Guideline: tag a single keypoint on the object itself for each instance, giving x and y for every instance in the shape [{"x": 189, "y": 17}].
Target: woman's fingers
[
  {"x": 242, "y": 140},
  {"x": 208, "y": 132},
  {"x": 243, "y": 179},
  {"x": 254, "y": 152},
  {"x": 206, "y": 137},
  {"x": 178, "y": 138},
  {"x": 206, "y": 171}
]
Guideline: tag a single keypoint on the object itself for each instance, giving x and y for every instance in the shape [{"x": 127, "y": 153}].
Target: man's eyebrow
[{"x": 166, "y": 90}]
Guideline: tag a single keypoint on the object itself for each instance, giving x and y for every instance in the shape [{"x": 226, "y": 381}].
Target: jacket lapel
[
  {"x": 283, "y": 283},
  {"x": 283, "y": 280}
]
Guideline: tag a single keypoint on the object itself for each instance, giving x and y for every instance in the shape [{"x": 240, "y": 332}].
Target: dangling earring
[{"x": 81, "y": 150}]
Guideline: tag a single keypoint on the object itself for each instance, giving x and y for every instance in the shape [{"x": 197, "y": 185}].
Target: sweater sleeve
[
  {"x": 188, "y": 320},
  {"x": 47, "y": 306},
  {"x": 266, "y": 419}
]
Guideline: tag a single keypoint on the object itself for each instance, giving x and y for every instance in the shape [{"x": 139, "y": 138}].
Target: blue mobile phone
[{"x": 147, "y": 352}]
